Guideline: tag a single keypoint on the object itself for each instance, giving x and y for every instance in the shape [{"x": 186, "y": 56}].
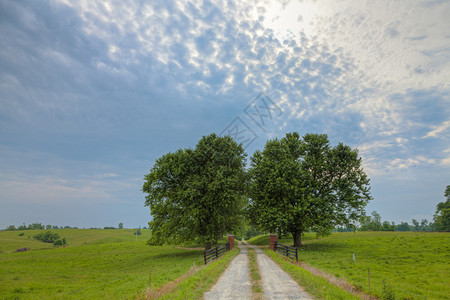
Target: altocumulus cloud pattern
[{"x": 91, "y": 92}]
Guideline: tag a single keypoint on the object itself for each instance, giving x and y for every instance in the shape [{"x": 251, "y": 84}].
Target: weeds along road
[{"x": 235, "y": 282}]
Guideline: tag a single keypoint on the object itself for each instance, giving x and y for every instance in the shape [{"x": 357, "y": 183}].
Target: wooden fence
[
  {"x": 288, "y": 251},
  {"x": 216, "y": 252}
]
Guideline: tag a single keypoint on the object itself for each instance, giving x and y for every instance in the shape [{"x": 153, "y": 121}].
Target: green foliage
[
  {"x": 47, "y": 237},
  {"x": 388, "y": 226},
  {"x": 442, "y": 215},
  {"x": 196, "y": 194},
  {"x": 246, "y": 230},
  {"x": 120, "y": 225},
  {"x": 35, "y": 226},
  {"x": 298, "y": 185},
  {"x": 21, "y": 234},
  {"x": 109, "y": 227},
  {"x": 264, "y": 240},
  {"x": 137, "y": 231},
  {"x": 60, "y": 242},
  {"x": 373, "y": 223},
  {"x": 403, "y": 226}
]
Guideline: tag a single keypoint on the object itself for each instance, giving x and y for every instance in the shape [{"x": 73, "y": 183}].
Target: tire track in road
[
  {"x": 235, "y": 282},
  {"x": 276, "y": 283}
]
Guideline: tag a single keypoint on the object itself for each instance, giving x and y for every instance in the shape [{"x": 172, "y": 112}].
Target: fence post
[
  {"x": 273, "y": 239},
  {"x": 231, "y": 241}
]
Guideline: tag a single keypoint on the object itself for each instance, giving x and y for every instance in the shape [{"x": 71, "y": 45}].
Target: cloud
[
  {"x": 118, "y": 84},
  {"x": 438, "y": 130},
  {"x": 446, "y": 162},
  {"x": 44, "y": 189}
]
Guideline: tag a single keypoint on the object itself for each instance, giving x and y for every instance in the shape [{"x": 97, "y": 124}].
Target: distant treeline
[
  {"x": 35, "y": 226},
  {"x": 374, "y": 223}
]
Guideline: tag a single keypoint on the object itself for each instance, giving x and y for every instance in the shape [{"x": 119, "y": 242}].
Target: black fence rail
[
  {"x": 216, "y": 252},
  {"x": 290, "y": 252}
]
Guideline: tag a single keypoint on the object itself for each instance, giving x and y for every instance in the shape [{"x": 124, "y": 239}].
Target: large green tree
[
  {"x": 299, "y": 184},
  {"x": 442, "y": 215},
  {"x": 197, "y": 194}
]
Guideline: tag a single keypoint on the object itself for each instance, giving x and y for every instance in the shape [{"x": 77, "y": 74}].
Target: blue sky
[{"x": 92, "y": 92}]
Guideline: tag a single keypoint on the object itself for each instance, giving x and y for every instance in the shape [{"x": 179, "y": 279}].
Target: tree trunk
[
  {"x": 297, "y": 239},
  {"x": 279, "y": 233},
  {"x": 208, "y": 246}
]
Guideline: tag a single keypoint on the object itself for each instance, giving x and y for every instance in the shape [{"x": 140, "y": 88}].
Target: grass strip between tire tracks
[
  {"x": 196, "y": 284},
  {"x": 317, "y": 286},
  {"x": 254, "y": 273}
]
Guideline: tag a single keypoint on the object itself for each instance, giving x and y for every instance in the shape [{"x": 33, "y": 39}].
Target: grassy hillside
[
  {"x": 405, "y": 265},
  {"x": 97, "y": 264},
  {"x": 10, "y": 240}
]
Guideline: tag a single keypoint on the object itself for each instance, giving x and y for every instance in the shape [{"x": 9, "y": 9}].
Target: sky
[{"x": 92, "y": 92}]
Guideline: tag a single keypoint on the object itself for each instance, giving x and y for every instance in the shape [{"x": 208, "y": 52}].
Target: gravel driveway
[
  {"x": 276, "y": 283},
  {"x": 235, "y": 282}
]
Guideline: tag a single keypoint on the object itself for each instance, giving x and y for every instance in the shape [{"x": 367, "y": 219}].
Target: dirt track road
[{"x": 235, "y": 282}]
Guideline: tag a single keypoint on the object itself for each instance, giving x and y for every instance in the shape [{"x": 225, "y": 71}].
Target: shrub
[
  {"x": 61, "y": 242},
  {"x": 47, "y": 237}
]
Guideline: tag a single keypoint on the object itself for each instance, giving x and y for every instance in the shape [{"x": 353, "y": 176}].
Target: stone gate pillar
[
  {"x": 273, "y": 239},
  {"x": 231, "y": 241}
]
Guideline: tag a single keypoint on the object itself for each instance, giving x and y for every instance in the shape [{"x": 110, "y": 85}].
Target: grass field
[
  {"x": 403, "y": 265},
  {"x": 10, "y": 240},
  {"x": 97, "y": 264}
]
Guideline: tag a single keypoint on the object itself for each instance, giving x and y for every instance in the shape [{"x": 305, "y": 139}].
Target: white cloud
[
  {"x": 99, "y": 188},
  {"x": 445, "y": 161},
  {"x": 371, "y": 74},
  {"x": 438, "y": 130},
  {"x": 391, "y": 47}
]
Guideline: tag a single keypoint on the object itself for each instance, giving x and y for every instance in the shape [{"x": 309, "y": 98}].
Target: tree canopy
[
  {"x": 196, "y": 194},
  {"x": 442, "y": 215},
  {"x": 304, "y": 184}
]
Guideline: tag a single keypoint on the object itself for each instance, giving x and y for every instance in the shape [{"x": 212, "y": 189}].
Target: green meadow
[
  {"x": 96, "y": 264},
  {"x": 403, "y": 265},
  {"x": 111, "y": 264}
]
